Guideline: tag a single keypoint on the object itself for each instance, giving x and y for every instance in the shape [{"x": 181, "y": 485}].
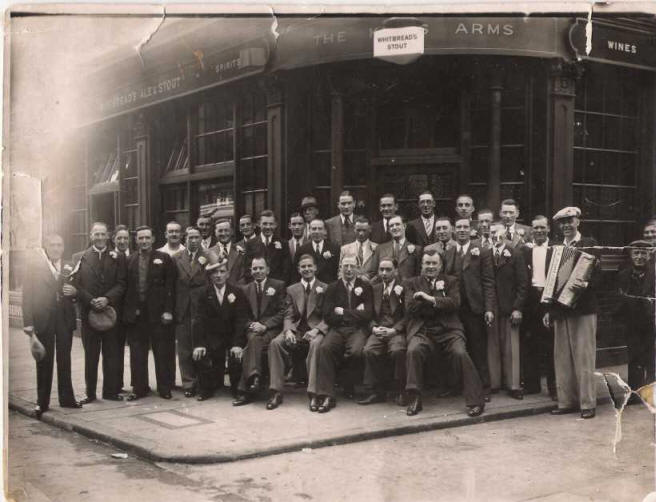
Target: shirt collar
[
  {"x": 576, "y": 238},
  {"x": 220, "y": 290},
  {"x": 99, "y": 251},
  {"x": 465, "y": 247},
  {"x": 305, "y": 283},
  {"x": 401, "y": 241},
  {"x": 545, "y": 244},
  {"x": 501, "y": 248},
  {"x": 350, "y": 217},
  {"x": 390, "y": 286},
  {"x": 511, "y": 228},
  {"x": 315, "y": 244},
  {"x": 264, "y": 239}
]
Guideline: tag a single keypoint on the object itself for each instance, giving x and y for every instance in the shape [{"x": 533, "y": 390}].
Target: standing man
[
  {"x": 148, "y": 311},
  {"x": 443, "y": 232},
  {"x": 190, "y": 283},
  {"x": 302, "y": 333},
  {"x": 649, "y": 232},
  {"x": 272, "y": 248},
  {"x": 347, "y": 310},
  {"x": 204, "y": 224},
  {"x": 340, "y": 228},
  {"x": 387, "y": 338},
  {"x": 431, "y": 304},
  {"x": 173, "y": 237},
  {"x": 100, "y": 282},
  {"x": 424, "y": 226},
  {"x": 511, "y": 280},
  {"x": 49, "y": 317},
  {"x": 296, "y": 227},
  {"x": 575, "y": 330},
  {"x": 246, "y": 229},
  {"x": 310, "y": 210},
  {"x": 515, "y": 233},
  {"x": 219, "y": 326},
  {"x": 326, "y": 253},
  {"x": 226, "y": 248},
  {"x": 122, "y": 240},
  {"x": 267, "y": 309},
  {"x": 537, "y": 340},
  {"x": 473, "y": 267},
  {"x": 380, "y": 230},
  {"x": 363, "y": 249},
  {"x": 406, "y": 254},
  {"x": 122, "y": 245},
  {"x": 485, "y": 217}
]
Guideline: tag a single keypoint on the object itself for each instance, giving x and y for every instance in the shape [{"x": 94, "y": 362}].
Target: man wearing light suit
[
  {"x": 363, "y": 249},
  {"x": 340, "y": 228},
  {"x": 227, "y": 248},
  {"x": 406, "y": 254},
  {"x": 302, "y": 333}
]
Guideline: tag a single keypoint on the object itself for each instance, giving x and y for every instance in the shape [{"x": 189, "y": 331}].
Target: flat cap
[
  {"x": 215, "y": 260},
  {"x": 640, "y": 243},
  {"x": 309, "y": 201},
  {"x": 567, "y": 212}
]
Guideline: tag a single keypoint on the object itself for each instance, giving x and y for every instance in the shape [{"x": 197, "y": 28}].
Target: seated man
[
  {"x": 267, "y": 308},
  {"x": 302, "y": 333},
  {"x": 432, "y": 324},
  {"x": 347, "y": 310},
  {"x": 219, "y": 325},
  {"x": 386, "y": 337}
]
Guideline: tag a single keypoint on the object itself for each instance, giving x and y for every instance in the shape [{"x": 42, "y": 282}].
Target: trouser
[
  {"x": 575, "y": 349},
  {"x": 476, "y": 336},
  {"x": 142, "y": 335},
  {"x": 210, "y": 370},
  {"x": 346, "y": 345},
  {"x": 253, "y": 356},
  {"x": 452, "y": 344},
  {"x": 107, "y": 343},
  {"x": 282, "y": 354},
  {"x": 640, "y": 341},
  {"x": 503, "y": 353},
  {"x": 57, "y": 344},
  {"x": 170, "y": 355},
  {"x": 375, "y": 354},
  {"x": 121, "y": 336},
  {"x": 184, "y": 348},
  {"x": 536, "y": 346}
]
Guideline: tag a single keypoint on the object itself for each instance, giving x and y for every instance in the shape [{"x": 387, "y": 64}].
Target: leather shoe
[
  {"x": 314, "y": 403},
  {"x": 255, "y": 384},
  {"x": 415, "y": 405},
  {"x": 241, "y": 400},
  {"x": 189, "y": 393},
  {"x": 517, "y": 394},
  {"x": 372, "y": 398},
  {"x": 402, "y": 399},
  {"x": 87, "y": 400},
  {"x": 274, "y": 401},
  {"x": 589, "y": 413},
  {"x": 327, "y": 404},
  {"x": 202, "y": 396},
  {"x": 74, "y": 404},
  {"x": 165, "y": 395},
  {"x": 113, "y": 397},
  {"x": 474, "y": 411},
  {"x": 487, "y": 398},
  {"x": 38, "y": 411},
  {"x": 563, "y": 411}
]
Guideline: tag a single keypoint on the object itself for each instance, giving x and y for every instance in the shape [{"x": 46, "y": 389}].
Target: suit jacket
[
  {"x": 294, "y": 252},
  {"x": 511, "y": 279},
  {"x": 422, "y": 238},
  {"x": 271, "y": 310},
  {"x": 219, "y": 326},
  {"x": 95, "y": 278},
  {"x": 636, "y": 312},
  {"x": 327, "y": 261},
  {"x": 235, "y": 262},
  {"x": 191, "y": 280},
  {"x": 277, "y": 254},
  {"x": 42, "y": 300},
  {"x": 476, "y": 277},
  {"x": 409, "y": 258},
  {"x": 397, "y": 297},
  {"x": 361, "y": 311},
  {"x": 339, "y": 234},
  {"x": 519, "y": 239},
  {"x": 417, "y": 312},
  {"x": 160, "y": 290},
  {"x": 213, "y": 241},
  {"x": 295, "y": 302},
  {"x": 378, "y": 234},
  {"x": 366, "y": 267}
]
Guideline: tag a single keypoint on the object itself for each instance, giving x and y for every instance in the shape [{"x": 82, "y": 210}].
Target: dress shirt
[
  {"x": 463, "y": 247},
  {"x": 539, "y": 257},
  {"x": 306, "y": 284},
  {"x": 169, "y": 250},
  {"x": 99, "y": 251},
  {"x": 206, "y": 242},
  {"x": 318, "y": 247},
  {"x": 428, "y": 223},
  {"x": 350, "y": 219},
  {"x": 219, "y": 293}
]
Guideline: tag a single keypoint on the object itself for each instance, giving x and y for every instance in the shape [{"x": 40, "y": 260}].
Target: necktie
[
  {"x": 259, "y": 298},
  {"x": 508, "y": 234},
  {"x": 268, "y": 241},
  {"x": 497, "y": 253},
  {"x": 427, "y": 226},
  {"x": 396, "y": 249},
  {"x": 306, "y": 295},
  {"x": 360, "y": 254},
  {"x": 347, "y": 222},
  {"x": 349, "y": 288},
  {"x": 386, "y": 292}
]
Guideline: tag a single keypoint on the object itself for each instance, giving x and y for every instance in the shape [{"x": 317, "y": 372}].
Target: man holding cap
[{"x": 575, "y": 330}]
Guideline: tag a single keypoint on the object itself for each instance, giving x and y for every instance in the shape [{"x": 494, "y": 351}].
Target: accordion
[{"x": 567, "y": 267}]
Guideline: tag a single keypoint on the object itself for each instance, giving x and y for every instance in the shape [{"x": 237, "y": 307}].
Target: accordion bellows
[{"x": 568, "y": 267}]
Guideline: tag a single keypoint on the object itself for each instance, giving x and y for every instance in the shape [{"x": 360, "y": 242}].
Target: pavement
[{"x": 184, "y": 430}]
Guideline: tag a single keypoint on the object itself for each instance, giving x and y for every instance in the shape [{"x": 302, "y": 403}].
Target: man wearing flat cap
[
  {"x": 575, "y": 329},
  {"x": 310, "y": 211}
]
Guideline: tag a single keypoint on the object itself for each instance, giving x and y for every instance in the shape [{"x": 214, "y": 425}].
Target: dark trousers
[
  {"x": 476, "y": 336},
  {"x": 57, "y": 344},
  {"x": 640, "y": 341},
  {"x": 121, "y": 336},
  {"x": 107, "y": 343},
  {"x": 452, "y": 343},
  {"x": 184, "y": 348},
  {"x": 210, "y": 370},
  {"x": 141, "y": 336},
  {"x": 376, "y": 354},
  {"x": 537, "y": 347},
  {"x": 343, "y": 345},
  {"x": 171, "y": 355},
  {"x": 254, "y": 355}
]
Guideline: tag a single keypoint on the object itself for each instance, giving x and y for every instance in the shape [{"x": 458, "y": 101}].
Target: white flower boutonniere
[
  {"x": 529, "y": 245},
  {"x": 360, "y": 307},
  {"x": 277, "y": 245},
  {"x": 398, "y": 289},
  {"x": 113, "y": 254},
  {"x": 240, "y": 249},
  {"x": 318, "y": 290},
  {"x": 202, "y": 260},
  {"x": 358, "y": 291},
  {"x": 411, "y": 248},
  {"x": 475, "y": 252},
  {"x": 270, "y": 291},
  {"x": 157, "y": 261},
  {"x": 231, "y": 298},
  {"x": 327, "y": 255},
  {"x": 506, "y": 253},
  {"x": 439, "y": 286},
  {"x": 520, "y": 232},
  {"x": 473, "y": 234}
]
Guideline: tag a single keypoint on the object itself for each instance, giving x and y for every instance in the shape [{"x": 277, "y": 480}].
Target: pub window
[
  {"x": 355, "y": 153},
  {"x": 253, "y": 152},
  {"x": 176, "y": 204},
  {"x": 606, "y": 128},
  {"x": 320, "y": 146},
  {"x": 170, "y": 140},
  {"x": 130, "y": 176},
  {"x": 214, "y": 132},
  {"x": 215, "y": 198}
]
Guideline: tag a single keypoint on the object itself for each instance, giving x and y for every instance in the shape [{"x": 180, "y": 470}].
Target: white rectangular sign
[{"x": 406, "y": 41}]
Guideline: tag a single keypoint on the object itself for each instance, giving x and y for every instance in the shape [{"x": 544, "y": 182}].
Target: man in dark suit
[
  {"x": 431, "y": 324},
  {"x": 246, "y": 230},
  {"x": 515, "y": 233},
  {"x": 272, "y": 248},
  {"x": 511, "y": 280},
  {"x": 406, "y": 254},
  {"x": 424, "y": 226},
  {"x": 380, "y": 229},
  {"x": 296, "y": 227},
  {"x": 190, "y": 283},
  {"x": 227, "y": 248},
  {"x": 473, "y": 267},
  {"x": 444, "y": 236},
  {"x": 100, "y": 282},
  {"x": 266, "y": 300},
  {"x": 204, "y": 224},
  {"x": 347, "y": 310},
  {"x": 341, "y": 228},
  {"x": 148, "y": 310},
  {"x": 219, "y": 326},
  {"x": 326, "y": 253},
  {"x": 575, "y": 329},
  {"x": 49, "y": 316},
  {"x": 387, "y": 336},
  {"x": 536, "y": 339},
  {"x": 122, "y": 245},
  {"x": 485, "y": 218}
]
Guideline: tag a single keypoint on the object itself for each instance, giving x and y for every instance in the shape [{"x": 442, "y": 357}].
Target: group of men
[{"x": 391, "y": 304}]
